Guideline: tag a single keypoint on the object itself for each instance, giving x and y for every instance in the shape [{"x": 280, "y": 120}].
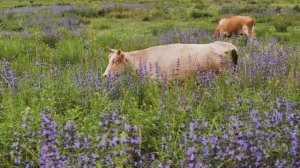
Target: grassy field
[{"x": 57, "y": 111}]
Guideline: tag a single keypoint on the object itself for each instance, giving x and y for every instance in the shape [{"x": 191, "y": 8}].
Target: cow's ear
[
  {"x": 111, "y": 50},
  {"x": 121, "y": 55}
]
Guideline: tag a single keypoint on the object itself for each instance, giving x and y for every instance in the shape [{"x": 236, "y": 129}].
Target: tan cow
[
  {"x": 174, "y": 60},
  {"x": 235, "y": 25}
]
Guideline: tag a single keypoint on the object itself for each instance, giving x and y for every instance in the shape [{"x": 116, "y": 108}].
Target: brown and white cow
[
  {"x": 235, "y": 25},
  {"x": 174, "y": 60}
]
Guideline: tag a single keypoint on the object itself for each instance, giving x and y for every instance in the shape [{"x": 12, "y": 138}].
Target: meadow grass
[{"x": 57, "y": 110}]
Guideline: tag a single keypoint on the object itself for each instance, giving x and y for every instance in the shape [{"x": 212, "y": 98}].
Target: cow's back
[{"x": 181, "y": 59}]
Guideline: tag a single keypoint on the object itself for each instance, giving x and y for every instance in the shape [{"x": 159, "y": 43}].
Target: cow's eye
[{"x": 114, "y": 61}]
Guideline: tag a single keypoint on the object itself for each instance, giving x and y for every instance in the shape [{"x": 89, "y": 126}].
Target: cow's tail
[{"x": 234, "y": 58}]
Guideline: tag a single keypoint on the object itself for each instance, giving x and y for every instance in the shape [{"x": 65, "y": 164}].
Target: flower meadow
[{"x": 56, "y": 110}]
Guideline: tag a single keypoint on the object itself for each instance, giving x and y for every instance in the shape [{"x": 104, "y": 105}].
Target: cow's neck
[{"x": 133, "y": 60}]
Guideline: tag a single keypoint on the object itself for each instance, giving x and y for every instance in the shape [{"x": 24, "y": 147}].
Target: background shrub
[
  {"x": 50, "y": 40},
  {"x": 69, "y": 51},
  {"x": 146, "y": 18},
  {"x": 197, "y": 14},
  {"x": 296, "y": 8},
  {"x": 162, "y": 28},
  {"x": 281, "y": 27}
]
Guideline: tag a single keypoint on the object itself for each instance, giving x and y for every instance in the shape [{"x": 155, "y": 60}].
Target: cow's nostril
[{"x": 104, "y": 76}]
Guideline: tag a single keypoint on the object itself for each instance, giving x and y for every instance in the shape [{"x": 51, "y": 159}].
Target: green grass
[{"x": 45, "y": 67}]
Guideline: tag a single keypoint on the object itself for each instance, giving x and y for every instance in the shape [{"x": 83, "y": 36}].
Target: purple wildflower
[
  {"x": 10, "y": 75},
  {"x": 50, "y": 155}
]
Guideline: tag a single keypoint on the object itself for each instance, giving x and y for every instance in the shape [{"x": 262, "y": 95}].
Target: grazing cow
[
  {"x": 173, "y": 61},
  {"x": 235, "y": 25}
]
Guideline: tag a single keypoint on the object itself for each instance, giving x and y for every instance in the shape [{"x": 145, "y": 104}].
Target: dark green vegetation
[{"x": 53, "y": 54}]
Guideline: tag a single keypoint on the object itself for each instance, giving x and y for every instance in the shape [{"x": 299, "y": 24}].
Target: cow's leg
[
  {"x": 248, "y": 32},
  {"x": 251, "y": 27},
  {"x": 252, "y": 33}
]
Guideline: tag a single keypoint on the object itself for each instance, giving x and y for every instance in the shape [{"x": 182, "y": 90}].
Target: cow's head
[{"x": 116, "y": 63}]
